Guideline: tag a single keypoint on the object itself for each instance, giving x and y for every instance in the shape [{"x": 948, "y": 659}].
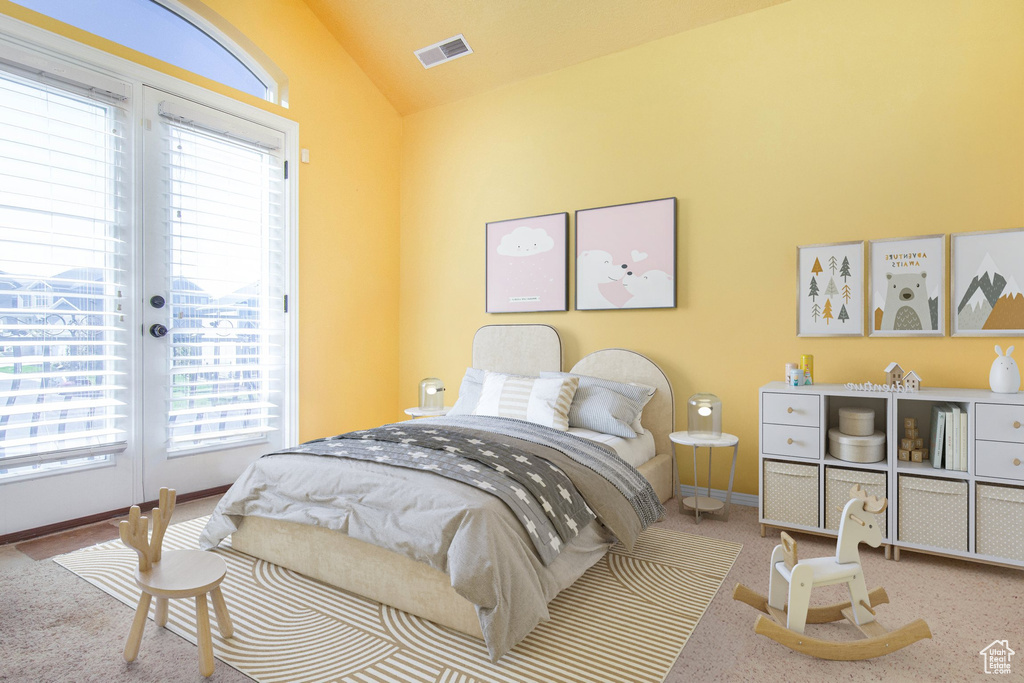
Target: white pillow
[
  {"x": 606, "y": 406},
  {"x": 543, "y": 401}
]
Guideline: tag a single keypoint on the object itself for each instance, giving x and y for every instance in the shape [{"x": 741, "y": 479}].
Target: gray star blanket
[{"x": 540, "y": 494}]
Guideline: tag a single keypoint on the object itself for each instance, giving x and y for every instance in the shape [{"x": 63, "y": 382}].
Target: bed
[{"x": 424, "y": 586}]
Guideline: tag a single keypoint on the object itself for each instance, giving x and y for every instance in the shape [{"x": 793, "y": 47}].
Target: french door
[{"x": 143, "y": 275}]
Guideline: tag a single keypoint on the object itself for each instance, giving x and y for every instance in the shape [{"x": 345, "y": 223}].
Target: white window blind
[
  {"x": 62, "y": 276},
  {"x": 225, "y": 237}
]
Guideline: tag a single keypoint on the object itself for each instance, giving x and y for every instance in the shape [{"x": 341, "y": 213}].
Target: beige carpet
[{"x": 290, "y": 628}]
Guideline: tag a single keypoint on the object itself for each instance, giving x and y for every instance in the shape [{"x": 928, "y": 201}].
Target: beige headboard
[
  {"x": 517, "y": 349},
  {"x": 622, "y": 365}
]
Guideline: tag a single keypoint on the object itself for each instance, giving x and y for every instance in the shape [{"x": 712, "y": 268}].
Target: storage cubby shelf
[{"x": 794, "y": 424}]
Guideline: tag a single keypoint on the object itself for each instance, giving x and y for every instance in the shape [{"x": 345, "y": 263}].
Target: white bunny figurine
[{"x": 1004, "y": 377}]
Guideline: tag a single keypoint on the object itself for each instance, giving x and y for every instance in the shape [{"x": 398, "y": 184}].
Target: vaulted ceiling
[{"x": 511, "y": 39}]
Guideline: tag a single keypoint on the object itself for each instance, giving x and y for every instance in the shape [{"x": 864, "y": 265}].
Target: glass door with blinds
[
  {"x": 65, "y": 272},
  {"x": 214, "y": 293},
  {"x": 144, "y": 263}
]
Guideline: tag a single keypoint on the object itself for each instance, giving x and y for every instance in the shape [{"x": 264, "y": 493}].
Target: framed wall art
[
  {"x": 830, "y": 290},
  {"x": 527, "y": 264},
  {"x": 907, "y": 289},
  {"x": 626, "y": 256},
  {"x": 987, "y": 269}
]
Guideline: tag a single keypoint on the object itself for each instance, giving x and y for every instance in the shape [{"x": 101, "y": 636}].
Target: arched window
[{"x": 169, "y": 31}]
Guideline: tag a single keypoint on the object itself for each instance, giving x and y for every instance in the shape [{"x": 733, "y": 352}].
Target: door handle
[{"x": 157, "y": 330}]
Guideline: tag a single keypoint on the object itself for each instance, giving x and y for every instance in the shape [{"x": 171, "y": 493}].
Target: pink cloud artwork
[
  {"x": 527, "y": 264},
  {"x": 626, "y": 256}
]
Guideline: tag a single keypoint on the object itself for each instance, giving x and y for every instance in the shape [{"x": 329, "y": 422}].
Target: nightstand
[
  {"x": 697, "y": 502},
  {"x": 420, "y": 412}
]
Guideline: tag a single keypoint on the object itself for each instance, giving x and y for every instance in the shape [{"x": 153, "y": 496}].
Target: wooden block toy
[
  {"x": 918, "y": 443},
  {"x": 913, "y": 433},
  {"x": 917, "y": 455},
  {"x": 910, "y": 423},
  {"x": 907, "y": 444},
  {"x": 903, "y": 454}
]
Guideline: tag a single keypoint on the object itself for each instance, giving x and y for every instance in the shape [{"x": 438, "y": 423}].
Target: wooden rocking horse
[{"x": 794, "y": 579}]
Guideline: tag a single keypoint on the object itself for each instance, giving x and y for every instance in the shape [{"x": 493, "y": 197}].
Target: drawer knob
[
  {"x": 789, "y": 441},
  {"x": 1016, "y": 425},
  {"x": 790, "y": 410},
  {"x": 1016, "y": 462}
]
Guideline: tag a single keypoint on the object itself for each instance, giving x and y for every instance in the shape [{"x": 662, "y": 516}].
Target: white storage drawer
[
  {"x": 999, "y": 459},
  {"x": 800, "y": 442},
  {"x": 790, "y": 409},
  {"x": 933, "y": 512},
  {"x": 997, "y": 422},
  {"x": 790, "y": 493},
  {"x": 839, "y": 481},
  {"x": 999, "y": 521}
]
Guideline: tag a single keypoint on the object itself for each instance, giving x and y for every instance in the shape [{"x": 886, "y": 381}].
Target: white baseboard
[{"x": 747, "y": 499}]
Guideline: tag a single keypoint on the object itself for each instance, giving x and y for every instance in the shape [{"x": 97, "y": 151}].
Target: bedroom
[{"x": 799, "y": 123}]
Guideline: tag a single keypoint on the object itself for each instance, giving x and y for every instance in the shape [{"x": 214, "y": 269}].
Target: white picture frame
[
  {"x": 986, "y": 269},
  {"x": 899, "y": 270},
  {"x": 830, "y": 290}
]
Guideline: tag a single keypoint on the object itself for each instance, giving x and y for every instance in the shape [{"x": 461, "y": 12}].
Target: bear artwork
[
  {"x": 593, "y": 268},
  {"x": 653, "y": 289},
  {"x": 906, "y": 302}
]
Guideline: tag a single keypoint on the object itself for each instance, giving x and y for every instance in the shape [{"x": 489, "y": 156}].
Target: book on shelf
[
  {"x": 963, "y": 441},
  {"x": 952, "y": 436},
  {"x": 938, "y": 435}
]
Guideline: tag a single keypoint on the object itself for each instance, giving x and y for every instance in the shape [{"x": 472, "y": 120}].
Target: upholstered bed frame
[{"x": 418, "y": 588}]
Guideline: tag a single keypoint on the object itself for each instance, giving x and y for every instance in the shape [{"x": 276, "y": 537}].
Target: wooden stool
[{"x": 179, "y": 574}]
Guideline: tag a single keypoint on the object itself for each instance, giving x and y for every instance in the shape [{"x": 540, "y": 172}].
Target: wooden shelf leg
[
  {"x": 896, "y": 553},
  {"x": 888, "y": 551},
  {"x": 764, "y": 530},
  {"x": 203, "y": 639},
  {"x": 131, "y": 647},
  {"x": 220, "y": 608},
  {"x": 161, "y": 611}
]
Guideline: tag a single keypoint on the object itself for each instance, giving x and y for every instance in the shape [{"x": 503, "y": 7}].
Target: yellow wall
[
  {"x": 812, "y": 121},
  {"x": 348, "y": 208}
]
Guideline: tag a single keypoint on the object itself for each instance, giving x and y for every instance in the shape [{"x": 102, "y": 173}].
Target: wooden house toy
[
  {"x": 893, "y": 374},
  {"x": 911, "y": 381}
]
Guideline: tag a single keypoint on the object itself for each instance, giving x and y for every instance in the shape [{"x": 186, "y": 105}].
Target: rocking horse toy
[{"x": 795, "y": 578}]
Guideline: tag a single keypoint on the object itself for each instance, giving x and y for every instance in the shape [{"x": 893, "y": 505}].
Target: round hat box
[
  {"x": 857, "y": 421},
  {"x": 856, "y": 448}
]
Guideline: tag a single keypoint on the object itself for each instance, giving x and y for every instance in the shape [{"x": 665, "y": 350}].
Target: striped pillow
[{"x": 543, "y": 401}]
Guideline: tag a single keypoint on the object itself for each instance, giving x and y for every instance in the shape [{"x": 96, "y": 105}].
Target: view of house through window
[{"x": 151, "y": 28}]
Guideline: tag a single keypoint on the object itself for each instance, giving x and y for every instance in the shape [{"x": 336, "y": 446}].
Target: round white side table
[
  {"x": 698, "y": 502},
  {"x": 420, "y": 412}
]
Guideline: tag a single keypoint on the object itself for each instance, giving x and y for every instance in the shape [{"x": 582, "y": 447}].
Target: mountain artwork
[{"x": 987, "y": 269}]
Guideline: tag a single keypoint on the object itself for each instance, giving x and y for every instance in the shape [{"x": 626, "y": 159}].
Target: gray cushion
[
  {"x": 605, "y": 406},
  {"x": 469, "y": 392}
]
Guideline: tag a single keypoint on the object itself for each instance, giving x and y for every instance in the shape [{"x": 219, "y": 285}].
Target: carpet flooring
[
  {"x": 289, "y": 628},
  {"x": 54, "y": 627}
]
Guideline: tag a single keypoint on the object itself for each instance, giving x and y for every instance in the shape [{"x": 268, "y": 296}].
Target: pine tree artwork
[
  {"x": 844, "y": 270},
  {"x": 830, "y": 290}
]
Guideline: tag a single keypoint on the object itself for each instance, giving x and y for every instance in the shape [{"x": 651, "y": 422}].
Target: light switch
[{"x": 305, "y": 156}]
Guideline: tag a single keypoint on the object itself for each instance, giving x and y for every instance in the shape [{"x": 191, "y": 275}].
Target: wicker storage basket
[
  {"x": 790, "y": 493},
  {"x": 1000, "y": 518},
  {"x": 839, "y": 481},
  {"x": 933, "y": 512}
]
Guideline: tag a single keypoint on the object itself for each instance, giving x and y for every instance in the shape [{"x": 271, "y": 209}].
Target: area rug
[{"x": 626, "y": 619}]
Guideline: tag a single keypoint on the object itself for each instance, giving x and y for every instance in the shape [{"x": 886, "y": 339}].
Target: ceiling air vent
[{"x": 445, "y": 51}]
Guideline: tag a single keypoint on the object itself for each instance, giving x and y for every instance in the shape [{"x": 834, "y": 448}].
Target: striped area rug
[{"x": 626, "y": 619}]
